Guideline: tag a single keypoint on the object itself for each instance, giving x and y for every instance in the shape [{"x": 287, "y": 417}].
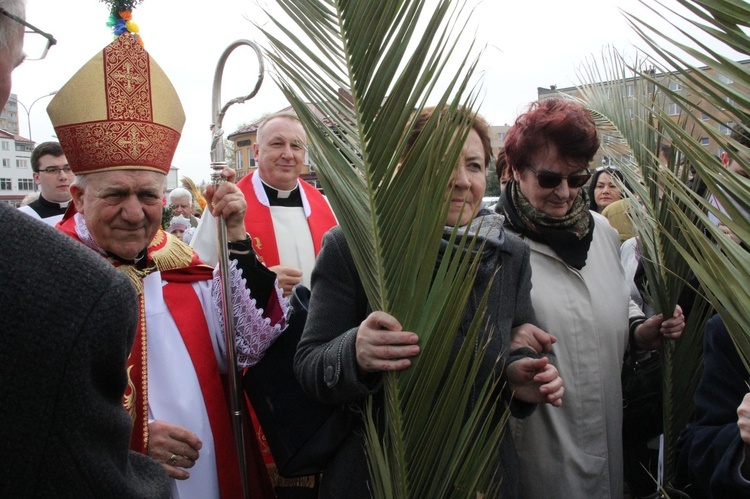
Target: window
[
  {"x": 726, "y": 129},
  {"x": 6, "y": 184},
  {"x": 6, "y": 163},
  {"x": 725, "y": 79},
  {"x": 5, "y": 146},
  {"x": 22, "y": 163},
  {"x": 704, "y": 116},
  {"x": 673, "y": 109},
  {"x": 238, "y": 160},
  {"x": 675, "y": 85},
  {"x": 629, "y": 90},
  {"x": 631, "y": 113},
  {"x": 705, "y": 141},
  {"x": 25, "y": 184},
  {"x": 501, "y": 136}
]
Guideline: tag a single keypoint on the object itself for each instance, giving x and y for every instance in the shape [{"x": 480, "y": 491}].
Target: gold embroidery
[
  {"x": 257, "y": 245},
  {"x": 277, "y": 480},
  {"x": 127, "y": 81},
  {"x": 174, "y": 255},
  {"x": 128, "y": 398},
  {"x": 144, "y": 369},
  {"x": 110, "y": 144},
  {"x": 136, "y": 276}
]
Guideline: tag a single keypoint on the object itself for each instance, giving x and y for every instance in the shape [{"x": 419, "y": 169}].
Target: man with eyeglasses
[
  {"x": 53, "y": 175},
  {"x": 69, "y": 320}
]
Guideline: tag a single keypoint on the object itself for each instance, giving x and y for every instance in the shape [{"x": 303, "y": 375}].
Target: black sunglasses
[{"x": 552, "y": 180}]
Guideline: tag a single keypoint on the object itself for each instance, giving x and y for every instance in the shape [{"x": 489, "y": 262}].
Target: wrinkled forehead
[
  {"x": 126, "y": 180},
  {"x": 286, "y": 129}
]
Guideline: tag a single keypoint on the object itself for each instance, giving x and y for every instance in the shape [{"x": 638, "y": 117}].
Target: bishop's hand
[{"x": 228, "y": 202}]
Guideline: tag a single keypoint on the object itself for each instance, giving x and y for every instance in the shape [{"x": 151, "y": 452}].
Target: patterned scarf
[{"x": 569, "y": 236}]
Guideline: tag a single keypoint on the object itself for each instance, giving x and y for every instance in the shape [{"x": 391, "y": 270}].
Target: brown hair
[
  {"x": 479, "y": 125},
  {"x": 44, "y": 149}
]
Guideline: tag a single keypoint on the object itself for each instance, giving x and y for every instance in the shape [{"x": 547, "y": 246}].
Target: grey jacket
[
  {"x": 326, "y": 362},
  {"x": 68, "y": 321}
]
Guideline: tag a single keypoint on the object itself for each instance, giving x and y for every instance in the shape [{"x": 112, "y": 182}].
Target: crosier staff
[{"x": 218, "y": 163}]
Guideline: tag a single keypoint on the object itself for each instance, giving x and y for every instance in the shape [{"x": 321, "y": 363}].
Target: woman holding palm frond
[
  {"x": 580, "y": 295},
  {"x": 345, "y": 346}
]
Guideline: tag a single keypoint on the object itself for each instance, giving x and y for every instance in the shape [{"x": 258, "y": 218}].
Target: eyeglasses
[
  {"x": 36, "y": 43},
  {"x": 552, "y": 180},
  {"x": 607, "y": 168},
  {"x": 56, "y": 171}
]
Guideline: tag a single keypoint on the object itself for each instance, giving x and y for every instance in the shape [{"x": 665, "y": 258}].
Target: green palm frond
[
  {"x": 387, "y": 56},
  {"x": 626, "y": 108},
  {"x": 722, "y": 266},
  {"x": 672, "y": 219}
]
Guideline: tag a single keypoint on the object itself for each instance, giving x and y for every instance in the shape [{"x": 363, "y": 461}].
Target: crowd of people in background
[{"x": 123, "y": 330}]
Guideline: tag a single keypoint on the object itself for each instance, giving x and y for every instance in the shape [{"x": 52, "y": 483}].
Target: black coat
[
  {"x": 326, "y": 363},
  {"x": 68, "y": 321},
  {"x": 710, "y": 449}
]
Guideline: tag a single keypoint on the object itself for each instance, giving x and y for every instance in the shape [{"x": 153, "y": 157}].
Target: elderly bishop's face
[{"x": 122, "y": 209}]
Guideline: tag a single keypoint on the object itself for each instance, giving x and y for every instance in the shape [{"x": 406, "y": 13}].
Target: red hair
[{"x": 564, "y": 123}]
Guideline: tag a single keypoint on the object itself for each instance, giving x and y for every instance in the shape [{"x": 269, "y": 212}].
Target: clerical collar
[
  {"x": 277, "y": 197},
  {"x": 61, "y": 206},
  {"x": 139, "y": 262},
  {"x": 52, "y": 205}
]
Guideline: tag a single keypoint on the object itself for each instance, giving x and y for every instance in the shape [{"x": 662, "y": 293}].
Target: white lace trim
[
  {"x": 254, "y": 333},
  {"x": 84, "y": 235}
]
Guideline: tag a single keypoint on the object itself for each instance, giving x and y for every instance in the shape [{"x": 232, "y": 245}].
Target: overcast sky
[{"x": 530, "y": 44}]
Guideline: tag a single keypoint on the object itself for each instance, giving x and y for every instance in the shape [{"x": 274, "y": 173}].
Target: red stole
[
  {"x": 187, "y": 313},
  {"x": 259, "y": 224}
]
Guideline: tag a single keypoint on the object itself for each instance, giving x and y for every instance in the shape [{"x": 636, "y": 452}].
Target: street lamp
[{"x": 28, "y": 110}]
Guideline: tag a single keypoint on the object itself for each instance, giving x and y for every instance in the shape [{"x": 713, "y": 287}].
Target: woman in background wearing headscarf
[{"x": 581, "y": 296}]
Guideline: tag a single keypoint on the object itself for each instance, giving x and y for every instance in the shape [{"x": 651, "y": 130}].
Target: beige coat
[{"x": 576, "y": 450}]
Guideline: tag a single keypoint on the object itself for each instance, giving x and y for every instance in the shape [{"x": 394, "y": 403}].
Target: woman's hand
[
  {"x": 535, "y": 381},
  {"x": 381, "y": 345},
  {"x": 649, "y": 334},
  {"x": 528, "y": 335},
  {"x": 174, "y": 447}
]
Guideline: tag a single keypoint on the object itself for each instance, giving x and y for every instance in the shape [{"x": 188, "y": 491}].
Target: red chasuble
[{"x": 259, "y": 224}]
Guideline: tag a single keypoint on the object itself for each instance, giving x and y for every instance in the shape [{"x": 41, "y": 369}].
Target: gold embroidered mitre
[{"x": 118, "y": 112}]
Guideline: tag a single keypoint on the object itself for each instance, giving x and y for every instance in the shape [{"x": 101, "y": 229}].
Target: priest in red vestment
[
  {"x": 286, "y": 216},
  {"x": 119, "y": 121}
]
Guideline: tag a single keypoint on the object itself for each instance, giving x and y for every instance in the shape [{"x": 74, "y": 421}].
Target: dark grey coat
[
  {"x": 68, "y": 320},
  {"x": 326, "y": 362}
]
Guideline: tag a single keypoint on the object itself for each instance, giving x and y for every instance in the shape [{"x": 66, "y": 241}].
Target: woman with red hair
[{"x": 581, "y": 296}]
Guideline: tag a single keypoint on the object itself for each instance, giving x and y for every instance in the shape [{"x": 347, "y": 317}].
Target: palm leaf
[
  {"x": 632, "y": 137},
  {"x": 678, "y": 223},
  {"x": 722, "y": 266},
  {"x": 390, "y": 54}
]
